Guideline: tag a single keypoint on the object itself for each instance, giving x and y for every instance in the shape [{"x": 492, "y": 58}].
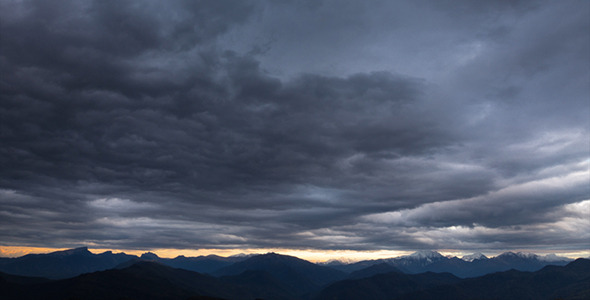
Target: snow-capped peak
[
  {"x": 424, "y": 254},
  {"x": 474, "y": 256},
  {"x": 338, "y": 261},
  {"x": 553, "y": 258},
  {"x": 525, "y": 255},
  {"x": 242, "y": 255}
]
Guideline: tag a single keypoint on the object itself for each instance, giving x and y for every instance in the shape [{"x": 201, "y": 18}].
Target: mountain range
[
  {"x": 551, "y": 282},
  {"x": 73, "y": 262},
  {"x": 469, "y": 266},
  {"x": 62, "y": 264},
  {"x": 80, "y": 274}
]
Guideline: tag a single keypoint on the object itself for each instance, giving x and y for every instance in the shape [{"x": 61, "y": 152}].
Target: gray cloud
[{"x": 228, "y": 124}]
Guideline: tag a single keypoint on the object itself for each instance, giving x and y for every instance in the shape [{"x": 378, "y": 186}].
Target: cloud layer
[{"x": 321, "y": 125}]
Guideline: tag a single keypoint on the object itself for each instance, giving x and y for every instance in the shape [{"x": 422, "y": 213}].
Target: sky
[{"x": 321, "y": 126}]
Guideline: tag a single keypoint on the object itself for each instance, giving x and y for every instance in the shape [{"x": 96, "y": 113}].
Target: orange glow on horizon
[{"x": 313, "y": 255}]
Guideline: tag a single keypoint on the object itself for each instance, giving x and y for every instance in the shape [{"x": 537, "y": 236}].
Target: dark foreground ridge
[
  {"x": 275, "y": 276},
  {"x": 552, "y": 282}
]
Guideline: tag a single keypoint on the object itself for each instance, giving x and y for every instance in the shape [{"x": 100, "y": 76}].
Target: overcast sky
[{"x": 363, "y": 125}]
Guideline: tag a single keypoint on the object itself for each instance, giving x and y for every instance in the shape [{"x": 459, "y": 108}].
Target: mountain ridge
[
  {"x": 73, "y": 262},
  {"x": 274, "y": 276},
  {"x": 551, "y": 282}
]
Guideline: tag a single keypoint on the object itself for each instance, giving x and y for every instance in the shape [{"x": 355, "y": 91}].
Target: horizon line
[{"x": 312, "y": 255}]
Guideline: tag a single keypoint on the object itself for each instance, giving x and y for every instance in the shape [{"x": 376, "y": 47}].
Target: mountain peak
[
  {"x": 422, "y": 254},
  {"x": 149, "y": 256},
  {"x": 553, "y": 258},
  {"x": 527, "y": 255},
  {"x": 474, "y": 256},
  {"x": 273, "y": 255},
  {"x": 74, "y": 251},
  {"x": 239, "y": 255},
  {"x": 338, "y": 262},
  {"x": 524, "y": 255}
]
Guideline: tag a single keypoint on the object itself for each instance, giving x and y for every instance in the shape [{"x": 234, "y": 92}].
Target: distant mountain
[
  {"x": 292, "y": 272},
  {"x": 554, "y": 258},
  {"x": 503, "y": 262},
  {"x": 62, "y": 264},
  {"x": 202, "y": 264},
  {"x": 150, "y": 256},
  {"x": 474, "y": 256},
  {"x": 470, "y": 266},
  {"x": 73, "y": 262},
  {"x": 337, "y": 262},
  {"x": 417, "y": 262},
  {"x": 427, "y": 255},
  {"x": 413, "y": 263},
  {"x": 552, "y": 282}
]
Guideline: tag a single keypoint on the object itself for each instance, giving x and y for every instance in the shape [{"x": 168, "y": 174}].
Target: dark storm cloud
[{"x": 121, "y": 122}]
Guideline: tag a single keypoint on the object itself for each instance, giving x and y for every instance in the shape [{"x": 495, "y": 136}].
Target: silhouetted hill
[
  {"x": 12, "y": 286},
  {"x": 384, "y": 286},
  {"x": 142, "y": 280},
  {"x": 62, "y": 264},
  {"x": 552, "y": 282},
  {"x": 356, "y": 266},
  {"x": 373, "y": 270},
  {"x": 22, "y": 279},
  {"x": 263, "y": 285},
  {"x": 293, "y": 273},
  {"x": 202, "y": 264}
]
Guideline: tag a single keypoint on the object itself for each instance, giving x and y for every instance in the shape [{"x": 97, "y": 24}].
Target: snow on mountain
[
  {"x": 524, "y": 255},
  {"x": 337, "y": 262},
  {"x": 474, "y": 256},
  {"x": 242, "y": 255},
  {"x": 545, "y": 258},
  {"x": 421, "y": 257},
  {"x": 423, "y": 254},
  {"x": 527, "y": 255},
  {"x": 553, "y": 258}
]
